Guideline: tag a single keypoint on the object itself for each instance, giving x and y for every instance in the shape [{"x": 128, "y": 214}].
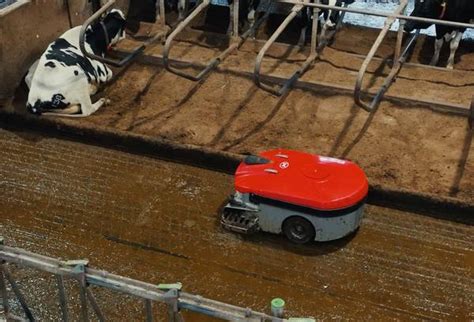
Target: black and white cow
[
  {"x": 63, "y": 79},
  {"x": 329, "y": 18},
  {"x": 218, "y": 10},
  {"x": 452, "y": 10},
  {"x": 247, "y": 11}
]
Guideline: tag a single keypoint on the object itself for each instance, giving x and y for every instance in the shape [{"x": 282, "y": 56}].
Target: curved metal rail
[
  {"x": 389, "y": 79},
  {"x": 381, "y": 14},
  {"x": 396, "y": 66},
  {"x": 132, "y": 55},
  {"x": 391, "y": 17},
  {"x": 216, "y": 60},
  {"x": 112, "y": 62},
  {"x": 306, "y": 64}
]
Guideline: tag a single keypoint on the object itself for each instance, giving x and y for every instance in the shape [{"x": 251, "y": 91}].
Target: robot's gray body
[{"x": 246, "y": 213}]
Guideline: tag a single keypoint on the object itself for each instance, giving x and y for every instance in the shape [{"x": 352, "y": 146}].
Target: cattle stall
[{"x": 398, "y": 60}]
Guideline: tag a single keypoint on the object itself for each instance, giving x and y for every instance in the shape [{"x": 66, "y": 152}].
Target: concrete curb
[{"x": 447, "y": 208}]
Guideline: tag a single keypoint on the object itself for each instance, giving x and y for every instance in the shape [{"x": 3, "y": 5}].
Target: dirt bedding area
[
  {"x": 401, "y": 145},
  {"x": 158, "y": 222}
]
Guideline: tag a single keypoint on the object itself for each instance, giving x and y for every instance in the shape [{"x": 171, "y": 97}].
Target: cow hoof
[
  {"x": 450, "y": 67},
  {"x": 33, "y": 110}
]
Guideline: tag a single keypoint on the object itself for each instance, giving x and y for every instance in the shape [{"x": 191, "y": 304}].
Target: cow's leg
[
  {"x": 231, "y": 18},
  {"x": 79, "y": 110},
  {"x": 302, "y": 40},
  {"x": 251, "y": 17},
  {"x": 85, "y": 103},
  {"x": 71, "y": 109},
  {"x": 305, "y": 21},
  {"x": 324, "y": 30},
  {"x": 454, "y": 46},
  {"x": 330, "y": 19},
  {"x": 438, "y": 46},
  {"x": 182, "y": 7},
  {"x": 85, "y": 109},
  {"x": 31, "y": 73}
]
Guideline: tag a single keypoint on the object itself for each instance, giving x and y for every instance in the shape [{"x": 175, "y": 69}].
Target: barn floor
[
  {"x": 157, "y": 221},
  {"x": 400, "y": 146}
]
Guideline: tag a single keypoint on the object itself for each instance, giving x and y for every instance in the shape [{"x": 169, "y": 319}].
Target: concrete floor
[{"x": 157, "y": 221}]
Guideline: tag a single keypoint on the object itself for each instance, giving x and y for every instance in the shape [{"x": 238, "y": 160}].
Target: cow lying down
[{"x": 62, "y": 80}]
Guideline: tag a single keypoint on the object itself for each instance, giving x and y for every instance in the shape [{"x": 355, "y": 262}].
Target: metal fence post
[
  {"x": 172, "y": 297},
  {"x": 95, "y": 306},
  {"x": 18, "y": 294},
  {"x": 169, "y": 294},
  {"x": 79, "y": 270},
  {"x": 62, "y": 298},
  {"x": 148, "y": 310},
  {"x": 314, "y": 29},
  {"x": 3, "y": 289}
]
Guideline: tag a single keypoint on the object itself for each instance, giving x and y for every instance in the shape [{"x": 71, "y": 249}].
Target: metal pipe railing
[
  {"x": 398, "y": 60},
  {"x": 306, "y": 64},
  {"x": 133, "y": 54},
  {"x": 93, "y": 56},
  {"x": 213, "y": 62},
  {"x": 168, "y": 294},
  {"x": 298, "y": 6},
  {"x": 363, "y": 69},
  {"x": 390, "y": 78},
  {"x": 258, "y": 63},
  {"x": 382, "y": 14}
]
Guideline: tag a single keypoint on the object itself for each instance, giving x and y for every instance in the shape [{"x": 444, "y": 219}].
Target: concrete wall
[{"x": 26, "y": 31}]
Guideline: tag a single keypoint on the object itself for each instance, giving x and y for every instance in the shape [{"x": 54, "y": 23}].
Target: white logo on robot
[{"x": 284, "y": 165}]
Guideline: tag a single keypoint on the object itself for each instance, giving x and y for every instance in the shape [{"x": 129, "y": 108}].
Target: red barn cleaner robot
[{"x": 305, "y": 196}]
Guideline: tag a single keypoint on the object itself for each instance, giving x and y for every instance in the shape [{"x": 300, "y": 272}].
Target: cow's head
[
  {"x": 106, "y": 32},
  {"x": 114, "y": 22},
  {"x": 433, "y": 9}
]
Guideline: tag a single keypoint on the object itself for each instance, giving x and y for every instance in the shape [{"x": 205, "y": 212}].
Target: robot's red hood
[{"x": 302, "y": 179}]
